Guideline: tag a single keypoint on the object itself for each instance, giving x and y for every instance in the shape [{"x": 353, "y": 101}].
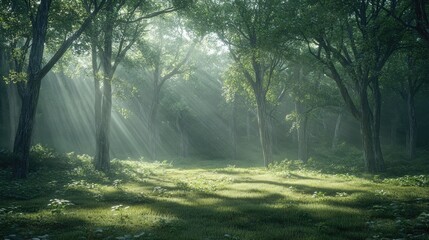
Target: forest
[{"x": 214, "y": 119}]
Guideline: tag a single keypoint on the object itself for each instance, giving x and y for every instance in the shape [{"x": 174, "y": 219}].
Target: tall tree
[
  {"x": 250, "y": 29},
  {"x": 166, "y": 53},
  {"x": 406, "y": 73},
  {"x": 29, "y": 88},
  {"x": 15, "y": 36},
  {"x": 112, "y": 36},
  {"x": 310, "y": 92},
  {"x": 354, "y": 40}
]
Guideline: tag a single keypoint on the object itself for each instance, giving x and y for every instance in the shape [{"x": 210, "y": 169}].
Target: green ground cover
[{"x": 64, "y": 198}]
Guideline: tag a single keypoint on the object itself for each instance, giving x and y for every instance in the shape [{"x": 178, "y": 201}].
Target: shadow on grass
[{"x": 179, "y": 213}]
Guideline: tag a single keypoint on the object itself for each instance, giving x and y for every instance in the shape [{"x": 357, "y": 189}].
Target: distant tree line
[{"x": 213, "y": 79}]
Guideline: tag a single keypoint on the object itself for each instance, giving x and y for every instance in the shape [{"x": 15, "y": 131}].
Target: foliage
[
  {"x": 418, "y": 181},
  {"x": 344, "y": 161},
  {"x": 58, "y": 206},
  {"x": 407, "y": 221},
  {"x": 15, "y": 77},
  {"x": 158, "y": 201},
  {"x": 286, "y": 165}
]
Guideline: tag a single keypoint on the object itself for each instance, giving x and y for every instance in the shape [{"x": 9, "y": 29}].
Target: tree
[
  {"x": 111, "y": 37},
  {"x": 29, "y": 87},
  {"x": 166, "y": 53},
  {"x": 406, "y": 73},
  {"x": 250, "y": 29},
  {"x": 310, "y": 92},
  {"x": 15, "y": 35},
  {"x": 354, "y": 40}
]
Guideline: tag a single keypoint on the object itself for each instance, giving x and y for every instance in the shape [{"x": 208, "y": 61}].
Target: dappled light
[
  {"x": 214, "y": 120},
  {"x": 163, "y": 202}
]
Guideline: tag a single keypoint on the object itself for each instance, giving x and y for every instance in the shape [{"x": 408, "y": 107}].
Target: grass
[{"x": 65, "y": 198}]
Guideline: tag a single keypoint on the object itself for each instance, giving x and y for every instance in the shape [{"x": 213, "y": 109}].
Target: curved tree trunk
[{"x": 29, "y": 91}]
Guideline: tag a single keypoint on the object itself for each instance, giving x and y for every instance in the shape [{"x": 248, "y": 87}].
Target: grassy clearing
[{"x": 64, "y": 198}]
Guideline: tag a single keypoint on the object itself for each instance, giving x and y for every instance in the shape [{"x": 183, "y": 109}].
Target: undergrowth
[{"x": 328, "y": 197}]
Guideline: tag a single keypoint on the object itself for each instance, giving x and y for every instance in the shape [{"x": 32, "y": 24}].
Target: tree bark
[
  {"x": 367, "y": 133},
  {"x": 97, "y": 90},
  {"x": 262, "y": 114},
  {"x": 30, "y": 96},
  {"x": 376, "y": 130},
  {"x": 102, "y": 154},
  {"x": 29, "y": 90},
  {"x": 369, "y": 123},
  {"x": 264, "y": 134}
]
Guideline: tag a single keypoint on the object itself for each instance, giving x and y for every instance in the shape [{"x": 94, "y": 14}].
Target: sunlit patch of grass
[{"x": 140, "y": 200}]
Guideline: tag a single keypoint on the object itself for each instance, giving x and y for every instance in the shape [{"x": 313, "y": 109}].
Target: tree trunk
[
  {"x": 30, "y": 96},
  {"x": 184, "y": 141},
  {"x": 264, "y": 135},
  {"x": 366, "y": 132},
  {"x": 102, "y": 157},
  {"x": 302, "y": 132},
  {"x": 233, "y": 130},
  {"x": 153, "y": 124},
  {"x": 412, "y": 122},
  {"x": 336, "y": 137},
  {"x": 102, "y": 154},
  {"x": 97, "y": 90},
  {"x": 379, "y": 160},
  {"x": 25, "y": 128}
]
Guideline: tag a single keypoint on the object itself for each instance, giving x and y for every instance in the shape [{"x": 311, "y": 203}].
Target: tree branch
[{"x": 66, "y": 44}]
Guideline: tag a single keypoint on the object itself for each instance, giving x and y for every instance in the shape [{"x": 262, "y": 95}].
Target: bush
[
  {"x": 286, "y": 165},
  {"x": 418, "y": 181}
]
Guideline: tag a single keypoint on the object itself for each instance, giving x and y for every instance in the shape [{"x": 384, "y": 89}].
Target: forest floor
[{"x": 65, "y": 198}]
